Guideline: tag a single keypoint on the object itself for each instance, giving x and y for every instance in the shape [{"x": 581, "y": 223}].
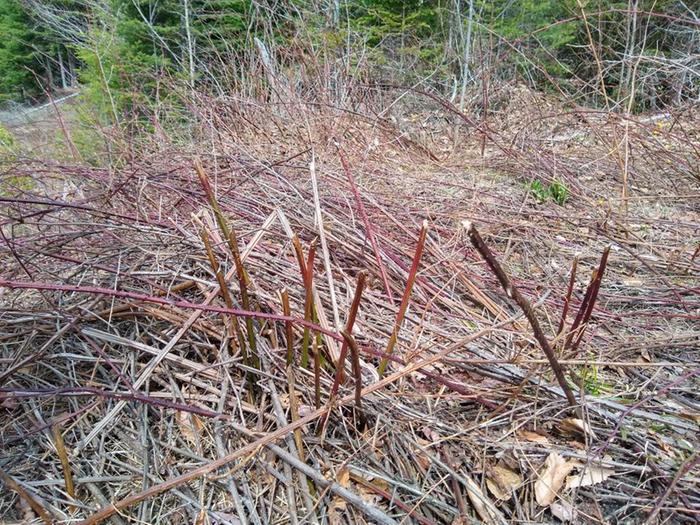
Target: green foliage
[
  {"x": 7, "y": 141},
  {"x": 33, "y": 58},
  {"x": 538, "y": 190},
  {"x": 129, "y": 49},
  {"x": 17, "y": 57},
  {"x": 557, "y": 191}
]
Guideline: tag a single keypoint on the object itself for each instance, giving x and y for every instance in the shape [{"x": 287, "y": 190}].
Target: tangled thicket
[{"x": 124, "y": 368}]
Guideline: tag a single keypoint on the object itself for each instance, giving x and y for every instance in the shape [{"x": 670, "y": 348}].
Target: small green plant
[
  {"x": 559, "y": 192},
  {"x": 538, "y": 190},
  {"x": 592, "y": 381},
  {"x": 7, "y": 141}
]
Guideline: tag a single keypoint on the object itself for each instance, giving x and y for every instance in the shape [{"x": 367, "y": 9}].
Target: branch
[{"x": 524, "y": 305}]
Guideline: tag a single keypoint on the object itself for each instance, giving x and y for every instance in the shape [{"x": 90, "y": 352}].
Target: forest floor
[{"x": 130, "y": 383}]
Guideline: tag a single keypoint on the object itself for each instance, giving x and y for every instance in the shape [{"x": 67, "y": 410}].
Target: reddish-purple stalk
[
  {"x": 368, "y": 225},
  {"x": 357, "y": 374},
  {"x": 567, "y": 299},
  {"x": 349, "y": 324},
  {"x": 586, "y": 308},
  {"x": 20, "y": 285},
  {"x": 405, "y": 299}
]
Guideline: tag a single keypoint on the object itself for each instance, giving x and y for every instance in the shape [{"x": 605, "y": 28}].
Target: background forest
[{"x": 639, "y": 53}]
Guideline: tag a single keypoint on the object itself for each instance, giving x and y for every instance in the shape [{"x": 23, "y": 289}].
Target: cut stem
[
  {"x": 230, "y": 236},
  {"x": 525, "y": 306},
  {"x": 349, "y": 324},
  {"x": 232, "y": 324},
  {"x": 307, "y": 274},
  {"x": 586, "y": 308},
  {"x": 291, "y": 380},
  {"x": 567, "y": 299},
  {"x": 405, "y": 299},
  {"x": 357, "y": 373}
]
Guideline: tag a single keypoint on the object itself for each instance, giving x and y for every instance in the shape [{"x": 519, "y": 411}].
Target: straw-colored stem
[
  {"x": 317, "y": 371},
  {"x": 235, "y": 333},
  {"x": 63, "y": 457},
  {"x": 291, "y": 380},
  {"x": 232, "y": 240}
]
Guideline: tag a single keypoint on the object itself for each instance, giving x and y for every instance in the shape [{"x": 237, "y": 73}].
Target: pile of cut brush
[{"x": 321, "y": 318}]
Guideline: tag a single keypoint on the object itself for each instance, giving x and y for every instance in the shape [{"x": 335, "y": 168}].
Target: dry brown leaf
[
  {"x": 533, "y": 437},
  {"x": 692, "y": 416},
  {"x": 590, "y": 476},
  {"x": 551, "y": 478},
  {"x": 343, "y": 477},
  {"x": 484, "y": 507},
  {"x": 190, "y": 426},
  {"x": 502, "y": 482},
  {"x": 576, "y": 427}
]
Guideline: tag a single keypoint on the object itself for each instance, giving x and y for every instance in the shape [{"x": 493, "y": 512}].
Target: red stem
[{"x": 368, "y": 225}]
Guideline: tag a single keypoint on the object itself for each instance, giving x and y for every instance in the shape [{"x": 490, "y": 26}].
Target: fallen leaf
[
  {"x": 563, "y": 511},
  {"x": 502, "y": 482},
  {"x": 484, "y": 507},
  {"x": 343, "y": 477},
  {"x": 190, "y": 426},
  {"x": 534, "y": 437},
  {"x": 590, "y": 476},
  {"x": 575, "y": 426},
  {"x": 551, "y": 478}
]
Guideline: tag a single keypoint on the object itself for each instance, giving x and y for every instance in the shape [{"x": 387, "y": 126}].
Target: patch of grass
[
  {"x": 559, "y": 192},
  {"x": 7, "y": 141},
  {"x": 538, "y": 190},
  {"x": 593, "y": 383}
]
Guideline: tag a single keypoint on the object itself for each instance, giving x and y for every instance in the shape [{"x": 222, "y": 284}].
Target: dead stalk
[
  {"x": 234, "y": 331},
  {"x": 63, "y": 457},
  {"x": 357, "y": 373},
  {"x": 230, "y": 236},
  {"x": 525, "y": 306},
  {"x": 37, "y": 507},
  {"x": 291, "y": 380},
  {"x": 405, "y": 299}
]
